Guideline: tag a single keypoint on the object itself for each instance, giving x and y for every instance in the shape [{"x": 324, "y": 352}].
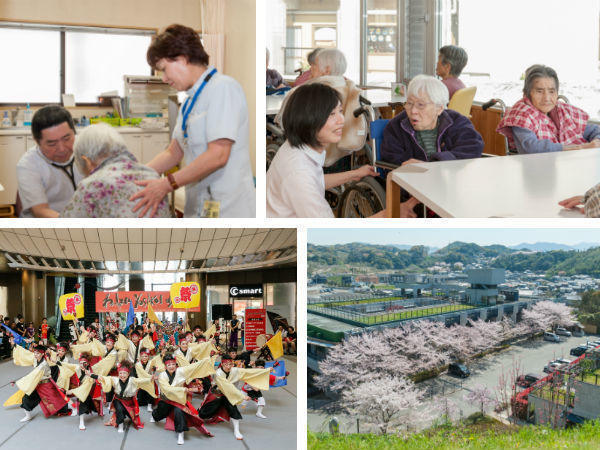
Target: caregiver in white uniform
[{"x": 211, "y": 134}]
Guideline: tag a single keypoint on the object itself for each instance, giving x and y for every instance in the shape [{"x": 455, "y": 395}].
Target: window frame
[{"x": 63, "y": 29}]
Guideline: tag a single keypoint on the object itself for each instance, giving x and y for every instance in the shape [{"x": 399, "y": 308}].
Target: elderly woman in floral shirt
[{"x": 110, "y": 175}]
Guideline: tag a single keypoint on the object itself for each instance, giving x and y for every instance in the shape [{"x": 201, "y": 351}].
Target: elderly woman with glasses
[
  {"x": 539, "y": 123},
  {"x": 426, "y": 131},
  {"x": 110, "y": 173}
]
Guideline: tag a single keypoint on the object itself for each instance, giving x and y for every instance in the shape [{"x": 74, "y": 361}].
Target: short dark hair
[
  {"x": 259, "y": 363},
  {"x": 455, "y": 56},
  {"x": 307, "y": 111},
  {"x": 177, "y": 40},
  {"x": 538, "y": 71},
  {"x": 48, "y": 117}
]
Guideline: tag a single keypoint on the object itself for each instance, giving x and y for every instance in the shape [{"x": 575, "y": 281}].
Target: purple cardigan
[{"x": 457, "y": 139}]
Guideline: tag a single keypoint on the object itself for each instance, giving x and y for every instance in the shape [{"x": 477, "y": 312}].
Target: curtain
[{"x": 213, "y": 31}]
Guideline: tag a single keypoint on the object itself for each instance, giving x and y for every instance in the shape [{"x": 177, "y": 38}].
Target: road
[{"x": 531, "y": 356}]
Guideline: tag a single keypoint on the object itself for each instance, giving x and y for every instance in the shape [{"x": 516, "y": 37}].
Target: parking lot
[{"x": 531, "y": 356}]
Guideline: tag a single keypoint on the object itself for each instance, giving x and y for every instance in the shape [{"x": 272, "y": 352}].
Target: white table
[
  {"x": 505, "y": 186},
  {"x": 381, "y": 97},
  {"x": 377, "y": 97},
  {"x": 274, "y": 104}
]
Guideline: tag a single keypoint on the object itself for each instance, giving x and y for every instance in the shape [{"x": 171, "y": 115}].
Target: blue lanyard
[{"x": 186, "y": 110}]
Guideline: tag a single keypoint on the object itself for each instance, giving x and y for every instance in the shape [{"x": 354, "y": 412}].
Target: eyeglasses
[{"x": 419, "y": 106}]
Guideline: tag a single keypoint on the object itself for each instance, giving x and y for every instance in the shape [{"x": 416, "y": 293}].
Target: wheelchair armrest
[{"x": 386, "y": 165}]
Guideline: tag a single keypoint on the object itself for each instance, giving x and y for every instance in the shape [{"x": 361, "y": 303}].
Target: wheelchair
[{"x": 504, "y": 109}]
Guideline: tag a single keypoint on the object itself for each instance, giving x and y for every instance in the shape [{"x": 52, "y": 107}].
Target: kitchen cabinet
[{"x": 12, "y": 148}]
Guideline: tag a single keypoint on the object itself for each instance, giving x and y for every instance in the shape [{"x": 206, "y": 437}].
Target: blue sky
[{"x": 439, "y": 237}]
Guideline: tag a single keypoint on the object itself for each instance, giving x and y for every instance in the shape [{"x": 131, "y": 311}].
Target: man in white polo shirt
[{"x": 46, "y": 175}]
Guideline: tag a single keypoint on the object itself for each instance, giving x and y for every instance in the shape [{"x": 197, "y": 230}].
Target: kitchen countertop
[{"x": 21, "y": 131}]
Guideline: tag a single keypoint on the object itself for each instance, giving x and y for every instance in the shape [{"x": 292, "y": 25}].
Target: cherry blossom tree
[
  {"x": 384, "y": 401},
  {"x": 481, "y": 396}
]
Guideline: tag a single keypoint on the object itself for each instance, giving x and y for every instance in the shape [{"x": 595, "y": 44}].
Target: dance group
[{"x": 124, "y": 373}]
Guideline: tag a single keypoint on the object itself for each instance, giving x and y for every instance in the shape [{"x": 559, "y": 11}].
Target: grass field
[{"x": 488, "y": 434}]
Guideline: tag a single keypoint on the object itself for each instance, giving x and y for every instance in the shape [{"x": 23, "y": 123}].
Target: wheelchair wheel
[
  {"x": 362, "y": 199},
  {"x": 270, "y": 153}
]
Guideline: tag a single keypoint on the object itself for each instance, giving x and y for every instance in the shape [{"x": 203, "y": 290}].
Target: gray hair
[
  {"x": 332, "y": 58},
  {"x": 538, "y": 71},
  {"x": 455, "y": 56},
  {"x": 312, "y": 56},
  {"x": 434, "y": 88},
  {"x": 97, "y": 142}
]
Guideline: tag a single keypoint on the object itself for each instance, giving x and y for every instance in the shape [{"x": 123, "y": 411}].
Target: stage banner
[
  {"x": 279, "y": 367},
  {"x": 71, "y": 306},
  {"x": 119, "y": 301},
  {"x": 185, "y": 295},
  {"x": 254, "y": 325}
]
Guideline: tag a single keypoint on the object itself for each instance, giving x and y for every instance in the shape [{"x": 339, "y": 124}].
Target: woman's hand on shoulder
[{"x": 150, "y": 197}]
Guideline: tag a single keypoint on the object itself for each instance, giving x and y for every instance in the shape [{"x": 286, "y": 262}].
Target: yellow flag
[
  {"x": 185, "y": 295},
  {"x": 152, "y": 317},
  {"x": 15, "y": 399},
  {"x": 275, "y": 344},
  {"x": 71, "y": 306}
]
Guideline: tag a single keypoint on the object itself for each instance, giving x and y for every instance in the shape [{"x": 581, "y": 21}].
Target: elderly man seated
[
  {"x": 426, "y": 131},
  {"x": 111, "y": 173},
  {"x": 539, "y": 123}
]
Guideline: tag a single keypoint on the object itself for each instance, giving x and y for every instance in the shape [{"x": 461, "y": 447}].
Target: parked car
[
  {"x": 563, "y": 332},
  {"x": 551, "y": 337},
  {"x": 579, "y": 350},
  {"x": 459, "y": 370},
  {"x": 564, "y": 361},
  {"x": 578, "y": 332},
  {"x": 528, "y": 379},
  {"x": 551, "y": 367}
]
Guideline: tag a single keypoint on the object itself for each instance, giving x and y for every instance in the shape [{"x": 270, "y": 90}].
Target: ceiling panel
[
  {"x": 122, "y": 251},
  {"x": 120, "y": 235},
  {"x": 242, "y": 245},
  {"x": 215, "y": 248},
  {"x": 108, "y": 251},
  {"x": 149, "y": 235},
  {"x": 135, "y": 252},
  {"x": 163, "y": 235},
  {"x": 41, "y": 245},
  {"x": 95, "y": 251},
  {"x": 69, "y": 249},
  {"x": 55, "y": 249},
  {"x": 206, "y": 234},
  {"x": 178, "y": 235},
  {"x": 162, "y": 251},
  {"x": 77, "y": 234},
  {"x": 269, "y": 239},
  {"x": 144, "y": 244},
  {"x": 135, "y": 235},
  {"x": 82, "y": 251},
  {"x": 91, "y": 235},
  {"x": 34, "y": 232},
  {"x": 106, "y": 235},
  {"x": 229, "y": 247},
  {"x": 202, "y": 249},
  {"x": 257, "y": 240},
  {"x": 221, "y": 233},
  {"x": 192, "y": 235},
  {"x": 46, "y": 232},
  {"x": 149, "y": 252},
  {"x": 62, "y": 234}
]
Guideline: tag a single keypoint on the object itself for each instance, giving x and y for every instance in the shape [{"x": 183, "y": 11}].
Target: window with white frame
[
  {"x": 504, "y": 38},
  {"x": 95, "y": 60}
]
